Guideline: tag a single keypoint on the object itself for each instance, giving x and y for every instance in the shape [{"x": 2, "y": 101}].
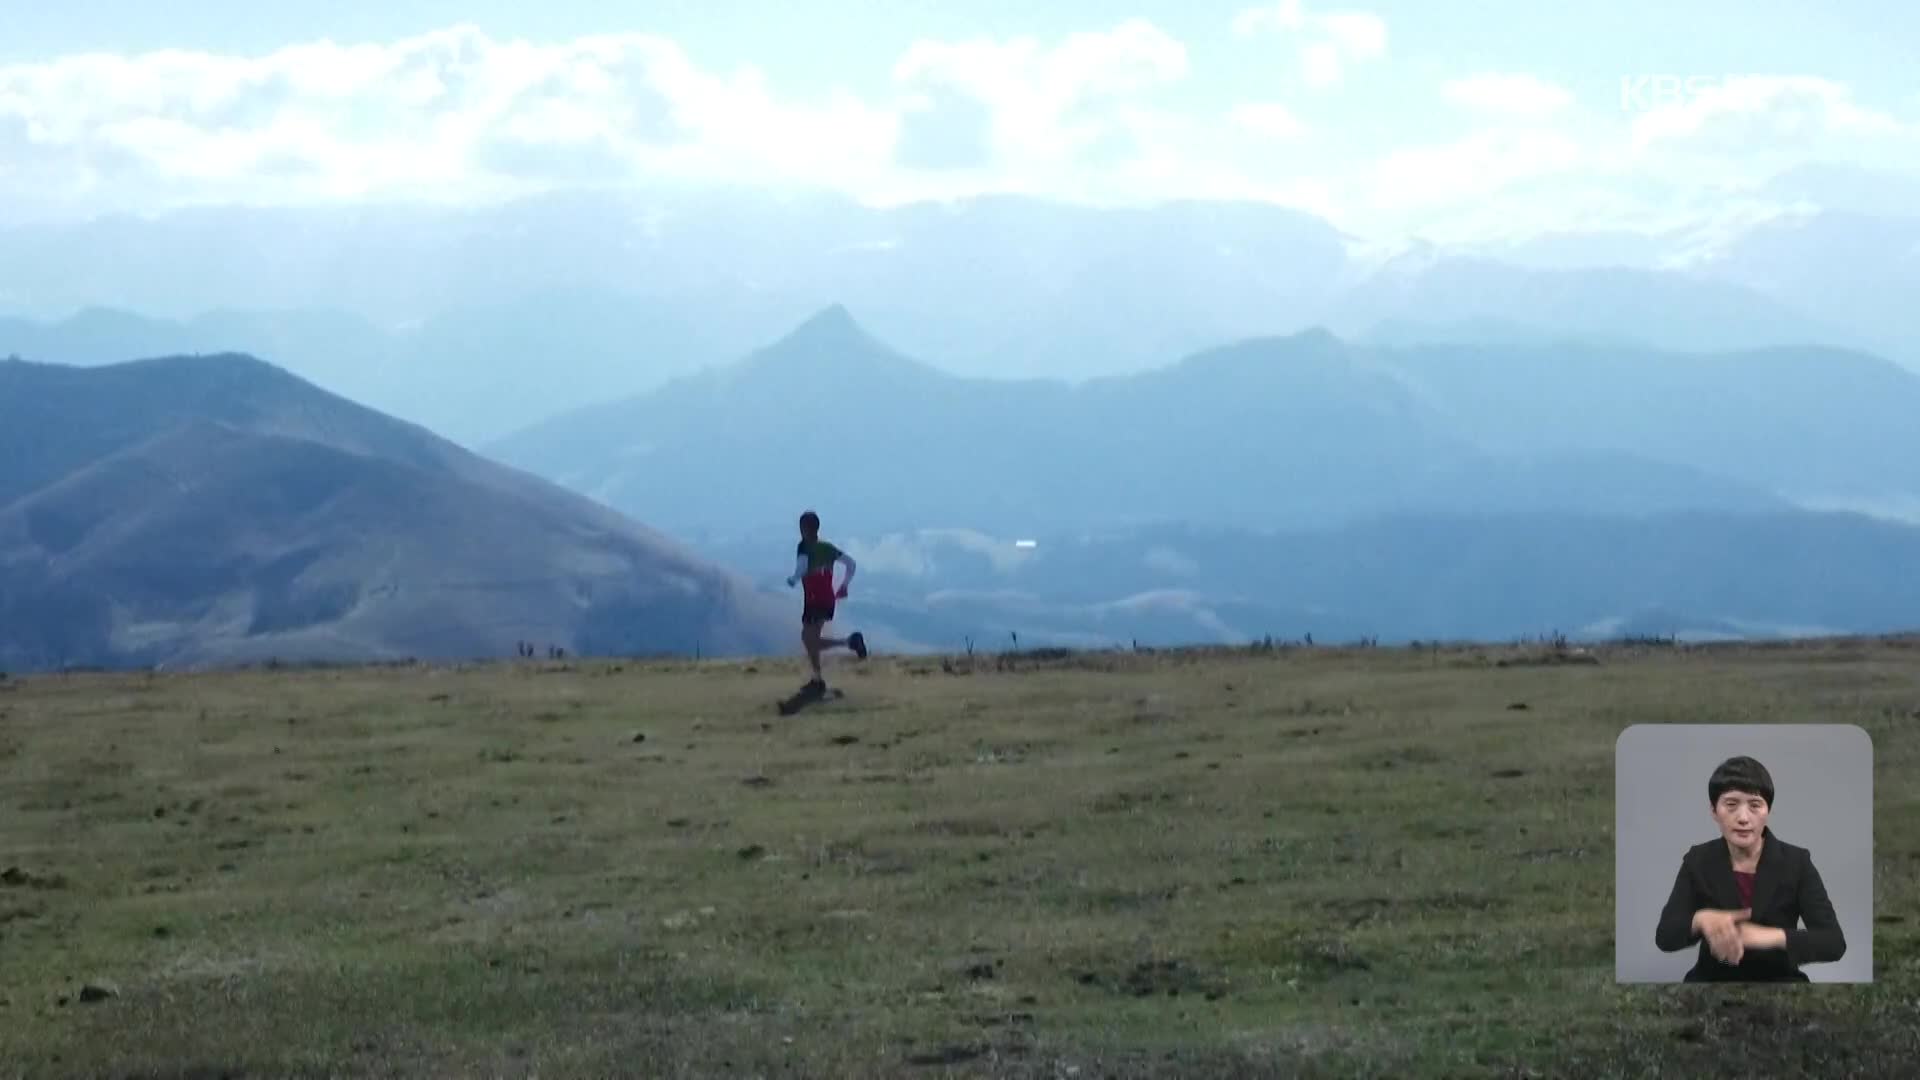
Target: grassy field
[{"x": 1284, "y": 863}]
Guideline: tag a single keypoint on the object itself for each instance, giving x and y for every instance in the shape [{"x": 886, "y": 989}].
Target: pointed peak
[
  {"x": 833, "y": 322},
  {"x": 830, "y": 340},
  {"x": 829, "y": 331}
]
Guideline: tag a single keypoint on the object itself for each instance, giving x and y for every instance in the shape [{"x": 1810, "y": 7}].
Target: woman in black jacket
[{"x": 1743, "y": 897}]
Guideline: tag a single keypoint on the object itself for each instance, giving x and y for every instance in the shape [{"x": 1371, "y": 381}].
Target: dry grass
[{"x": 1276, "y": 863}]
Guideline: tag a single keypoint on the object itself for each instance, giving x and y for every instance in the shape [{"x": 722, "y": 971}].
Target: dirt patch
[
  {"x": 1311, "y": 707},
  {"x": 1549, "y": 658},
  {"x": 947, "y": 1055},
  {"x": 856, "y": 857},
  {"x": 969, "y": 827},
  {"x": 19, "y": 914},
  {"x": 1123, "y": 802},
  {"x": 1013, "y": 754},
  {"x": 1555, "y": 854},
  {"x": 1400, "y": 758},
  {"x": 13, "y": 877},
  {"x": 1168, "y": 977},
  {"x": 1358, "y": 909}
]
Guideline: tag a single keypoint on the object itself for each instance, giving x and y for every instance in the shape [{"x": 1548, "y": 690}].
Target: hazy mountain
[
  {"x": 1296, "y": 430},
  {"x": 214, "y": 509},
  {"x": 93, "y": 336},
  {"x": 1485, "y": 330},
  {"x": 1667, "y": 309},
  {"x": 605, "y": 287},
  {"x": 827, "y": 408},
  {"x": 1808, "y": 423},
  {"x": 1574, "y": 250},
  {"x": 477, "y": 322},
  {"x": 1857, "y": 270},
  {"x": 470, "y": 374},
  {"x": 391, "y": 264},
  {"x": 996, "y": 285},
  {"x": 1015, "y": 287},
  {"x": 1835, "y": 247}
]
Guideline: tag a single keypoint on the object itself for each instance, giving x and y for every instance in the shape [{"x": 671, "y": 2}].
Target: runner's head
[{"x": 809, "y": 525}]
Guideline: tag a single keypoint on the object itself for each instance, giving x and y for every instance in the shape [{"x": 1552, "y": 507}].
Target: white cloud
[
  {"x": 1360, "y": 34},
  {"x": 1327, "y": 43},
  {"x": 457, "y": 115},
  {"x": 1673, "y": 157},
  {"x": 1470, "y": 168},
  {"x": 1512, "y": 94},
  {"x": 1043, "y": 107},
  {"x": 1268, "y": 119},
  {"x": 1740, "y": 112},
  {"x": 1727, "y": 133},
  {"x": 1321, "y": 65},
  {"x": 1286, "y": 15},
  {"x": 452, "y": 112}
]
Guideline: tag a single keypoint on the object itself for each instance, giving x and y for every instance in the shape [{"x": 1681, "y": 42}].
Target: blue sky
[{"x": 1386, "y": 115}]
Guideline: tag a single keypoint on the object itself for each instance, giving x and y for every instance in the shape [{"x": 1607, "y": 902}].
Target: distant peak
[
  {"x": 1314, "y": 341},
  {"x": 830, "y": 329},
  {"x": 1313, "y": 346},
  {"x": 831, "y": 340},
  {"x": 226, "y": 363},
  {"x": 834, "y": 320},
  {"x": 1316, "y": 336},
  {"x": 229, "y": 369}
]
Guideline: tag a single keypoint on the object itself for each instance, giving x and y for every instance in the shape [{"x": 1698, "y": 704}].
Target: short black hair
[
  {"x": 1740, "y": 774},
  {"x": 810, "y": 521}
]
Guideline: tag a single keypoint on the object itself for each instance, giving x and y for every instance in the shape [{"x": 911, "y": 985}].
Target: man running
[{"x": 813, "y": 568}]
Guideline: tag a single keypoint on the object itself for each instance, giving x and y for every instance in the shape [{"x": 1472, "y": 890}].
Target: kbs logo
[{"x": 1639, "y": 93}]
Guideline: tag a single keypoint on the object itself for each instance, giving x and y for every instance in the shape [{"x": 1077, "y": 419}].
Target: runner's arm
[{"x": 847, "y": 559}]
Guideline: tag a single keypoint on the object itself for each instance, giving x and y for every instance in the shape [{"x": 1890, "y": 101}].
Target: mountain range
[
  {"x": 476, "y": 323},
  {"x": 215, "y": 509},
  {"x": 1305, "y": 430},
  {"x": 1214, "y": 421},
  {"x": 1289, "y": 485}
]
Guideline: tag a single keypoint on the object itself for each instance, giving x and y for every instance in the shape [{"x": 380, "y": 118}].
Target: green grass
[{"x": 1315, "y": 863}]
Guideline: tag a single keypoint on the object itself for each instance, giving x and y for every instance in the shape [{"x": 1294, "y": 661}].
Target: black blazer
[{"x": 1786, "y": 890}]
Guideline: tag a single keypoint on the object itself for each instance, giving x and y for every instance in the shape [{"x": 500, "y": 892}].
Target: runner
[{"x": 813, "y": 570}]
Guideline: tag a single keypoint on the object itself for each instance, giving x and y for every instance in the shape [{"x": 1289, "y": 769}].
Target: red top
[
  {"x": 1745, "y": 881},
  {"x": 817, "y": 579}
]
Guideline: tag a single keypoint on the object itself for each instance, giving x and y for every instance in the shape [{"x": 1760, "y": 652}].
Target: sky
[{"x": 1389, "y": 117}]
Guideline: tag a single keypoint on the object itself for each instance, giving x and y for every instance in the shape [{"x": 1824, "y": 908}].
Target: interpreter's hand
[
  {"x": 1755, "y": 936},
  {"x": 1721, "y": 928}
]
